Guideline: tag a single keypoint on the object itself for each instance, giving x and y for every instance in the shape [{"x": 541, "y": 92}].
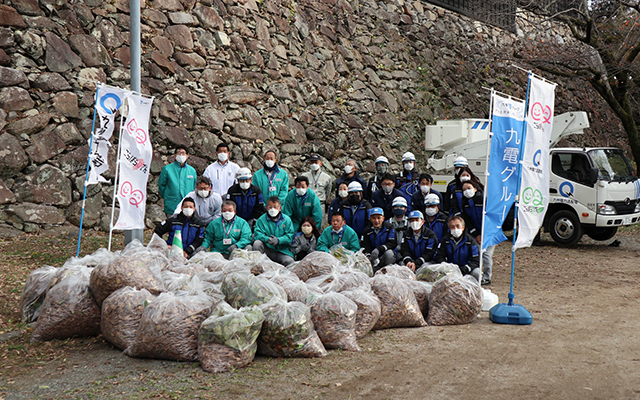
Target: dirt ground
[{"x": 582, "y": 345}]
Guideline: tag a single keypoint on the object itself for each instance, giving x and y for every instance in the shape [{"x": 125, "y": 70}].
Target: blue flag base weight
[{"x": 513, "y": 314}]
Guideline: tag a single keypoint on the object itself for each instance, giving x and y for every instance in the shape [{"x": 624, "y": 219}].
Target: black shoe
[{"x": 486, "y": 282}]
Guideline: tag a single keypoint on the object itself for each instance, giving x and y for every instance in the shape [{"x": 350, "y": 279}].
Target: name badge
[
  {"x": 226, "y": 242},
  {"x": 272, "y": 188}
]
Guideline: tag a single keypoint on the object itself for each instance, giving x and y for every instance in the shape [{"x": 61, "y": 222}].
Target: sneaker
[{"x": 486, "y": 282}]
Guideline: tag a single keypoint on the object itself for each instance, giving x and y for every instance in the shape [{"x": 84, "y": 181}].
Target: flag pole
[
  {"x": 515, "y": 215},
  {"x": 486, "y": 174},
  {"x": 115, "y": 179},
  {"x": 86, "y": 176}
]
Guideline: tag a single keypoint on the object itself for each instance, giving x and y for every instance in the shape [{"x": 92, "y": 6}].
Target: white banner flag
[
  {"x": 135, "y": 160},
  {"x": 534, "y": 186},
  {"x": 108, "y": 101}
]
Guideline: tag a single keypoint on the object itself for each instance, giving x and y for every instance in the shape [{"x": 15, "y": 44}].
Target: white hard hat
[
  {"x": 408, "y": 156},
  {"x": 354, "y": 187},
  {"x": 399, "y": 201},
  {"x": 382, "y": 159},
  {"x": 243, "y": 173},
  {"x": 432, "y": 199},
  {"x": 460, "y": 162}
]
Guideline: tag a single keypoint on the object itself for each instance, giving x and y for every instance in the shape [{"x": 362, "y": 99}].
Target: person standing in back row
[
  {"x": 176, "y": 180},
  {"x": 375, "y": 183},
  {"x": 350, "y": 175},
  {"x": 407, "y": 180},
  {"x": 320, "y": 182},
  {"x": 271, "y": 179},
  {"x": 222, "y": 172}
]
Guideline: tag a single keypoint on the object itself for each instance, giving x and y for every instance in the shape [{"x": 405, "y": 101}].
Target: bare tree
[{"x": 607, "y": 33}]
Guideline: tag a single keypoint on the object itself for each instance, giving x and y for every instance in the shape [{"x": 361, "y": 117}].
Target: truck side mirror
[{"x": 593, "y": 175}]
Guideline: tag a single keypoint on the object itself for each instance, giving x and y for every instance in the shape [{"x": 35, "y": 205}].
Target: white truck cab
[{"x": 592, "y": 191}]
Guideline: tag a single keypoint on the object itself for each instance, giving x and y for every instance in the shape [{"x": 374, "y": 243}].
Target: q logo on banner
[
  {"x": 115, "y": 98},
  {"x": 536, "y": 158}
]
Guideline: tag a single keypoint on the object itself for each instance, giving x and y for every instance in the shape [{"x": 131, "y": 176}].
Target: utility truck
[{"x": 592, "y": 190}]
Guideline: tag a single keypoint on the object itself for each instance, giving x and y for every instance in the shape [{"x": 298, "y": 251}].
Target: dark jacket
[
  {"x": 249, "y": 204},
  {"x": 357, "y": 219},
  {"x": 439, "y": 225},
  {"x": 192, "y": 231},
  {"x": 454, "y": 198},
  {"x": 472, "y": 213},
  {"x": 373, "y": 185},
  {"x": 464, "y": 253},
  {"x": 348, "y": 180},
  {"x": 417, "y": 200},
  {"x": 383, "y": 240},
  {"x": 335, "y": 206},
  {"x": 407, "y": 184},
  {"x": 420, "y": 251},
  {"x": 384, "y": 201}
]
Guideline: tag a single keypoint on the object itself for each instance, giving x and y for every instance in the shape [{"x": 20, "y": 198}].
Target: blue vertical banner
[{"x": 507, "y": 124}]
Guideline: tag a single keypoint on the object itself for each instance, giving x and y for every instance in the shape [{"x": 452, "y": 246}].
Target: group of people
[{"x": 394, "y": 218}]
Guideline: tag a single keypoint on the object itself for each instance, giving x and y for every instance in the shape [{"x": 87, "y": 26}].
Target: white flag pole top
[{"x": 534, "y": 186}]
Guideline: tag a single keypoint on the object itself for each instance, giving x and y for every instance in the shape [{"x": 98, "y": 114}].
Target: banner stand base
[{"x": 130, "y": 235}]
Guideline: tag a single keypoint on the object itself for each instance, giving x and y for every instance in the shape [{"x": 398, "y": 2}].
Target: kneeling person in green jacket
[
  {"x": 338, "y": 233},
  {"x": 302, "y": 202},
  {"x": 228, "y": 232},
  {"x": 274, "y": 232}
]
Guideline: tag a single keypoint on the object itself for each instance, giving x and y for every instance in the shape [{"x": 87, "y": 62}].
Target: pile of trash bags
[{"x": 153, "y": 303}]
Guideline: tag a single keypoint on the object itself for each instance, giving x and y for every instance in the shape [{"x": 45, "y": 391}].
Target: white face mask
[
  {"x": 387, "y": 189},
  {"x": 301, "y": 191},
  {"x": 203, "y": 193},
  {"x": 188, "y": 211},
  {"x": 469, "y": 193},
  {"x": 269, "y": 163},
  {"x": 228, "y": 215},
  {"x": 465, "y": 178},
  {"x": 273, "y": 212},
  {"x": 456, "y": 233},
  {"x": 244, "y": 185},
  {"x": 348, "y": 169},
  {"x": 181, "y": 159},
  {"x": 223, "y": 157},
  {"x": 343, "y": 193},
  {"x": 408, "y": 166},
  {"x": 315, "y": 167},
  {"x": 425, "y": 188},
  {"x": 431, "y": 211},
  {"x": 416, "y": 225},
  {"x": 307, "y": 230}
]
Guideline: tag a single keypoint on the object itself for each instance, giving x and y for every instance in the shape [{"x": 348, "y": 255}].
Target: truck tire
[
  {"x": 565, "y": 228},
  {"x": 602, "y": 233}
]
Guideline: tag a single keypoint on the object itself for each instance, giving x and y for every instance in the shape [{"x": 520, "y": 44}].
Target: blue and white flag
[
  {"x": 502, "y": 183},
  {"x": 534, "y": 188},
  {"x": 109, "y": 99}
]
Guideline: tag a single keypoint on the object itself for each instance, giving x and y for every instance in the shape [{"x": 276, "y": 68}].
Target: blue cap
[
  {"x": 375, "y": 210},
  {"x": 416, "y": 214}
]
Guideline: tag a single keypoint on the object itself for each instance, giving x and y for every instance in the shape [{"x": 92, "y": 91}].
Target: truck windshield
[{"x": 612, "y": 165}]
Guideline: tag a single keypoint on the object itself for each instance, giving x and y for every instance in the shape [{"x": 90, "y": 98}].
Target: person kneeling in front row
[
  {"x": 273, "y": 233},
  {"x": 228, "y": 232},
  {"x": 188, "y": 223},
  {"x": 460, "y": 248},
  {"x": 379, "y": 240},
  {"x": 338, "y": 233},
  {"x": 419, "y": 243}
]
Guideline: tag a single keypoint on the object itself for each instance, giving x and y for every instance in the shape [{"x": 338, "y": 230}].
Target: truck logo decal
[
  {"x": 568, "y": 192},
  {"x": 537, "y": 157}
]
